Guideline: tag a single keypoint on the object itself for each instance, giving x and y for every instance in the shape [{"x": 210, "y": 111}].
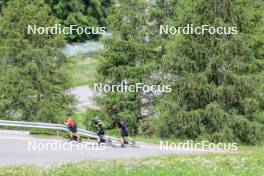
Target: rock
[
  {"x": 144, "y": 112},
  {"x": 146, "y": 98}
]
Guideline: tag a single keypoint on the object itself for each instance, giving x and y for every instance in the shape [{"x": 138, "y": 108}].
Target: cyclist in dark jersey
[
  {"x": 124, "y": 133},
  {"x": 101, "y": 131}
]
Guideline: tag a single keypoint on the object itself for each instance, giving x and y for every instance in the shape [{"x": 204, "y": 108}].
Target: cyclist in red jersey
[{"x": 71, "y": 124}]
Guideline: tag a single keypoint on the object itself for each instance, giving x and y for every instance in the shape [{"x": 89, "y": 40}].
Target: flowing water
[
  {"x": 80, "y": 49},
  {"x": 86, "y": 48}
]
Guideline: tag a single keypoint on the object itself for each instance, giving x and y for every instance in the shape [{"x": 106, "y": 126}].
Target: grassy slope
[
  {"x": 82, "y": 71},
  {"x": 248, "y": 162}
]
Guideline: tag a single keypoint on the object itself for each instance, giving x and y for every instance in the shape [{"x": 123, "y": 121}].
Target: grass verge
[
  {"x": 250, "y": 161},
  {"x": 82, "y": 71}
]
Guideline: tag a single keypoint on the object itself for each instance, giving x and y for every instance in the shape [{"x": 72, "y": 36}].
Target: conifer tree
[
  {"x": 129, "y": 58},
  {"x": 215, "y": 76},
  {"x": 33, "y": 80},
  {"x": 82, "y": 13}
]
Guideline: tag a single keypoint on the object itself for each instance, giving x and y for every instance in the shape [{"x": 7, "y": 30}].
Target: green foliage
[
  {"x": 2, "y": 5},
  {"x": 216, "y": 74},
  {"x": 82, "y": 71},
  {"x": 242, "y": 163},
  {"x": 129, "y": 57},
  {"x": 82, "y": 13},
  {"x": 32, "y": 77},
  {"x": 215, "y": 78},
  {"x": 121, "y": 107},
  {"x": 90, "y": 115}
]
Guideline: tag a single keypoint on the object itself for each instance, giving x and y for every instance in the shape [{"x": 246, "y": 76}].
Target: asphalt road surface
[
  {"x": 19, "y": 148},
  {"x": 85, "y": 97}
]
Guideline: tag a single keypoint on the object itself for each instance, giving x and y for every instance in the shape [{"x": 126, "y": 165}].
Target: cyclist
[
  {"x": 72, "y": 126},
  {"x": 101, "y": 131},
  {"x": 124, "y": 133}
]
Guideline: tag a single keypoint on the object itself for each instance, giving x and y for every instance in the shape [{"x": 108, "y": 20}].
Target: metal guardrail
[{"x": 51, "y": 126}]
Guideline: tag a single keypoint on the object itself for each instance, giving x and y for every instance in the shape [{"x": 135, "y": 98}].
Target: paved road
[
  {"x": 18, "y": 149},
  {"x": 85, "y": 97}
]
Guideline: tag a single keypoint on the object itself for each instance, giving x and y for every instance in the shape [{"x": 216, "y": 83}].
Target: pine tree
[
  {"x": 215, "y": 76},
  {"x": 32, "y": 77},
  {"x": 130, "y": 57},
  {"x": 82, "y": 13}
]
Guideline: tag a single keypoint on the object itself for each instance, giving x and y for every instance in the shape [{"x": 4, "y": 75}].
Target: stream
[{"x": 80, "y": 49}]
